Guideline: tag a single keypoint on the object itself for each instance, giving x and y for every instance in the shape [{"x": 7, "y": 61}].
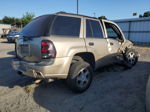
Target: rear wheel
[
  {"x": 80, "y": 76},
  {"x": 130, "y": 58}
]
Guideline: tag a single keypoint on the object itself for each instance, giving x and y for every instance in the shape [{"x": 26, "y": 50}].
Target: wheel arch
[{"x": 86, "y": 56}]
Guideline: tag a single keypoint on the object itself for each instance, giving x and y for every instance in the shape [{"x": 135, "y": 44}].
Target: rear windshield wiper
[{"x": 26, "y": 38}]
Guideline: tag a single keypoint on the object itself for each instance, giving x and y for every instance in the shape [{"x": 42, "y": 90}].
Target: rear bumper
[{"x": 54, "y": 68}]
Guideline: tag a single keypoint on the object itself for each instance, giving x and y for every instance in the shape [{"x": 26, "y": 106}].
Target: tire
[
  {"x": 130, "y": 58},
  {"x": 80, "y": 76}
]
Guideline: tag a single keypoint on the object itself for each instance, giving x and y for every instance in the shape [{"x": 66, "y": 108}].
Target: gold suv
[{"x": 70, "y": 46}]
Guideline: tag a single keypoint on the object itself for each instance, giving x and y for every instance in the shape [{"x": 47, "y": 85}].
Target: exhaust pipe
[
  {"x": 37, "y": 74},
  {"x": 20, "y": 73}
]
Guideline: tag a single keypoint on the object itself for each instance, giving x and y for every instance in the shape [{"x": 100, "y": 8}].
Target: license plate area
[{"x": 24, "y": 49}]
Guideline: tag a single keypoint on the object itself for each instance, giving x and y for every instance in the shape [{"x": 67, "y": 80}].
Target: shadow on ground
[
  {"x": 9, "y": 77},
  {"x": 7, "y": 42},
  {"x": 11, "y": 53},
  {"x": 112, "y": 90}
]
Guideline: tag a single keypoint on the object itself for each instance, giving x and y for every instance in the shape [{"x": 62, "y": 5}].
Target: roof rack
[{"x": 62, "y": 12}]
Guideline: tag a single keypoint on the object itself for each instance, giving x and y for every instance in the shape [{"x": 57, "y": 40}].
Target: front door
[{"x": 114, "y": 38}]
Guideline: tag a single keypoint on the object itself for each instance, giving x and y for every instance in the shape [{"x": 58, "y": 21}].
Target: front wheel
[
  {"x": 80, "y": 76},
  {"x": 130, "y": 58}
]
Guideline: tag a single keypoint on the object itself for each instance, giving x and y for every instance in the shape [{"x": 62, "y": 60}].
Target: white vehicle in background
[{"x": 4, "y": 29}]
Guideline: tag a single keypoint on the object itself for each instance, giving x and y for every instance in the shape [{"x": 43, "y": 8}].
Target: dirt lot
[{"x": 113, "y": 89}]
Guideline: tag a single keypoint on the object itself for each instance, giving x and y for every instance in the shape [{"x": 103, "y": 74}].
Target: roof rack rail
[{"x": 62, "y": 12}]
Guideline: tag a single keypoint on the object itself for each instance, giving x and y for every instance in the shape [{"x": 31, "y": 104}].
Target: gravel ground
[{"x": 113, "y": 89}]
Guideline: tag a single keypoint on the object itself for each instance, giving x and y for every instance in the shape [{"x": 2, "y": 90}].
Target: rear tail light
[{"x": 48, "y": 49}]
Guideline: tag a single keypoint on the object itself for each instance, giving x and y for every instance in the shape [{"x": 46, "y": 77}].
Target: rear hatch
[{"x": 28, "y": 46}]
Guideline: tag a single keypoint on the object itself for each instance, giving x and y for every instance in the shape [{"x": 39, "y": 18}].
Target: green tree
[
  {"x": 146, "y": 14},
  {"x": 12, "y": 20},
  {"x": 8, "y": 20},
  {"x": 102, "y": 17},
  {"x": 18, "y": 22},
  {"x": 1, "y": 21},
  {"x": 27, "y": 18},
  {"x": 134, "y": 14}
]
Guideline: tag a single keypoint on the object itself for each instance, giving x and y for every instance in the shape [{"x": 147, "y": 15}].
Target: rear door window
[
  {"x": 93, "y": 29},
  {"x": 66, "y": 26},
  {"x": 89, "y": 32}
]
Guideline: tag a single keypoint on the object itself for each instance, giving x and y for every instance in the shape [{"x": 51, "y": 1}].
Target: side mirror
[{"x": 120, "y": 40}]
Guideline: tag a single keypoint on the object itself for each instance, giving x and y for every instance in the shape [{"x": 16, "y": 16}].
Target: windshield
[
  {"x": 38, "y": 27},
  {"x": 13, "y": 33}
]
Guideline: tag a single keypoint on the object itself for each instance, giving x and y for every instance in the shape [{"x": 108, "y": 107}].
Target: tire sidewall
[
  {"x": 129, "y": 65},
  {"x": 74, "y": 72}
]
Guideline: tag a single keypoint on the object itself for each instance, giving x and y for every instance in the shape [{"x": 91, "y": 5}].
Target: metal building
[{"x": 137, "y": 30}]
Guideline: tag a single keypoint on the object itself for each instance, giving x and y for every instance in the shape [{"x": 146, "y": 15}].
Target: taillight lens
[{"x": 48, "y": 49}]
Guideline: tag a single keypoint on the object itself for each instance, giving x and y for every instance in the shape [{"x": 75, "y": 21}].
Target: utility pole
[
  {"x": 77, "y": 6},
  {"x": 94, "y": 14}
]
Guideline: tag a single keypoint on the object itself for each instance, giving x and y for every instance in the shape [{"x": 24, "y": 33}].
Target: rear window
[
  {"x": 38, "y": 26},
  {"x": 66, "y": 26}
]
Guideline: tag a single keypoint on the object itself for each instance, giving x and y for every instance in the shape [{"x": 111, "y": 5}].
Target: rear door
[{"x": 95, "y": 41}]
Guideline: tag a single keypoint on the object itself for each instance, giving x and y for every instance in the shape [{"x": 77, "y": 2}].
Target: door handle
[
  {"x": 91, "y": 44},
  {"x": 111, "y": 43}
]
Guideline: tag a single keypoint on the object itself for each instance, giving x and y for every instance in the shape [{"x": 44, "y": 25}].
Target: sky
[{"x": 112, "y": 9}]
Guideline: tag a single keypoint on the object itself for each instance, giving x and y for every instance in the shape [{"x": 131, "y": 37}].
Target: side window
[
  {"x": 66, "y": 26},
  {"x": 89, "y": 32},
  {"x": 113, "y": 31},
  {"x": 93, "y": 29}
]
